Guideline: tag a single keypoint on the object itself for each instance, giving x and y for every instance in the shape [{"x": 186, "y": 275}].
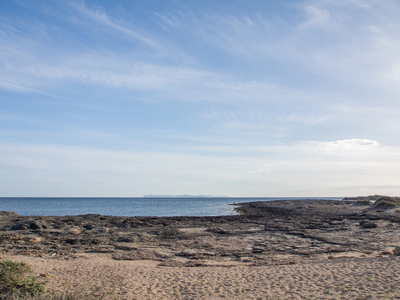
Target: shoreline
[
  {"x": 268, "y": 242},
  {"x": 131, "y": 207},
  {"x": 296, "y": 227}
]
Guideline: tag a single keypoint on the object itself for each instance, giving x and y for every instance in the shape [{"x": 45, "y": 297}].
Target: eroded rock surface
[{"x": 264, "y": 233}]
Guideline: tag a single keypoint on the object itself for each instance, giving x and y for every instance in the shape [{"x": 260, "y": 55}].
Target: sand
[{"x": 98, "y": 275}]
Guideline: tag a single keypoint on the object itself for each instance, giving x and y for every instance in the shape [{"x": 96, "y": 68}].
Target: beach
[
  {"x": 342, "y": 278},
  {"x": 273, "y": 250}
]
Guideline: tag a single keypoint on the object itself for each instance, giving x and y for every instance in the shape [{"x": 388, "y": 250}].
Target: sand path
[{"x": 341, "y": 278}]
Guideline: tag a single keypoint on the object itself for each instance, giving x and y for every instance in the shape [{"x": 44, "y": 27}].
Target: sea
[{"x": 130, "y": 207}]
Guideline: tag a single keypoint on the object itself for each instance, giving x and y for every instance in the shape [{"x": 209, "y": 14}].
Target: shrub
[
  {"x": 15, "y": 282},
  {"x": 362, "y": 202},
  {"x": 386, "y": 202}
]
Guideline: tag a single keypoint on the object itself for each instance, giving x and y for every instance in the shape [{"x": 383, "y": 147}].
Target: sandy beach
[
  {"x": 280, "y": 250},
  {"x": 341, "y": 278}
]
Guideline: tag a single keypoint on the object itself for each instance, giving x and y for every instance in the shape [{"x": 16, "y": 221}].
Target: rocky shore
[{"x": 264, "y": 233}]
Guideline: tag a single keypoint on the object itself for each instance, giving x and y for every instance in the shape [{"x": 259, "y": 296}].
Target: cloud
[
  {"x": 76, "y": 170},
  {"x": 105, "y": 69},
  {"x": 360, "y": 43},
  {"x": 255, "y": 38},
  {"x": 346, "y": 49},
  {"x": 316, "y": 18},
  {"x": 345, "y": 150},
  {"x": 318, "y": 167},
  {"x": 98, "y": 16},
  {"x": 348, "y": 145}
]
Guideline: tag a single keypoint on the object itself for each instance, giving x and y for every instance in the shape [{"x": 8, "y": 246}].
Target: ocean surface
[{"x": 129, "y": 207}]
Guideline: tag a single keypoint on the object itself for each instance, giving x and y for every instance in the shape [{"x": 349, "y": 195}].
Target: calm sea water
[{"x": 159, "y": 207}]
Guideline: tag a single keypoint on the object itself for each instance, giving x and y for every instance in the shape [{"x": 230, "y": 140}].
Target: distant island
[{"x": 184, "y": 196}]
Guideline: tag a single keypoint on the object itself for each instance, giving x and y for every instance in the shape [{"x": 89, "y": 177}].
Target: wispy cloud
[
  {"x": 316, "y": 18},
  {"x": 106, "y": 69},
  {"x": 82, "y": 170},
  {"x": 98, "y": 16},
  {"x": 351, "y": 41},
  {"x": 252, "y": 36},
  {"x": 362, "y": 45}
]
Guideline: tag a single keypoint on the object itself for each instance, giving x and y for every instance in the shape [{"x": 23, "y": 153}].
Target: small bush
[
  {"x": 362, "y": 202},
  {"x": 15, "y": 282},
  {"x": 386, "y": 202}
]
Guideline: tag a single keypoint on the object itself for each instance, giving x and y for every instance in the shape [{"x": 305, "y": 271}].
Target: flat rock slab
[{"x": 298, "y": 229}]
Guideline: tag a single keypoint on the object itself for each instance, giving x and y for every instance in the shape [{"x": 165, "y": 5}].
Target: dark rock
[
  {"x": 88, "y": 226},
  {"x": 258, "y": 250},
  {"x": 124, "y": 239},
  {"x": 366, "y": 224},
  {"x": 71, "y": 241},
  {"x": 217, "y": 230},
  {"x": 19, "y": 227},
  {"x": 33, "y": 224}
]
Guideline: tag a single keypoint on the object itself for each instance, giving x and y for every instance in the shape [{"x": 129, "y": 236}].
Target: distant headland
[{"x": 185, "y": 196}]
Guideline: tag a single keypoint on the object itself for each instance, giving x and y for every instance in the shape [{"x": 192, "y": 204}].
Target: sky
[{"x": 237, "y": 98}]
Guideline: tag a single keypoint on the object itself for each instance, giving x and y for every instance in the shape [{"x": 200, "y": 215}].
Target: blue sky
[{"x": 237, "y": 98}]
